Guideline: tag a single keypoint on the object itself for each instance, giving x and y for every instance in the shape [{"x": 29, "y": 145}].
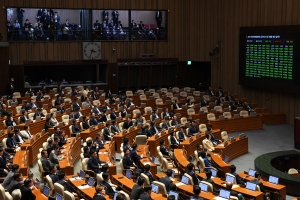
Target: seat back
[
  {"x": 211, "y": 116},
  {"x": 129, "y": 93},
  {"x": 141, "y": 139},
  {"x": 210, "y": 187},
  {"x": 183, "y": 94},
  {"x": 190, "y": 178},
  {"x": 84, "y": 164},
  {"x": 233, "y": 198},
  {"x": 164, "y": 164},
  {"x": 227, "y": 115},
  {"x": 191, "y": 111},
  {"x": 68, "y": 196},
  {"x": 187, "y": 89},
  {"x": 125, "y": 194},
  {"x": 135, "y": 112},
  {"x": 244, "y": 113},
  {"x": 201, "y": 164},
  {"x": 224, "y": 136},
  {"x": 41, "y": 170},
  {"x": 218, "y": 108},
  {"x": 99, "y": 178},
  {"x": 146, "y": 109},
  {"x": 4, "y": 143},
  {"x": 192, "y": 98},
  {"x": 121, "y": 126},
  {"x": 169, "y": 94},
  {"x": 183, "y": 120},
  {"x": 204, "y": 109},
  {"x": 121, "y": 164},
  {"x": 175, "y": 89},
  {"x": 231, "y": 176},
  {"x": 202, "y": 128},
  {"x": 45, "y": 144},
  {"x": 159, "y": 101},
  {"x": 70, "y": 129},
  {"x": 49, "y": 182},
  {"x": 161, "y": 187},
  {"x": 143, "y": 97},
  {"x": 146, "y": 178},
  {"x": 18, "y": 109},
  {"x": 2, "y": 192},
  {"x": 156, "y": 95},
  {"x": 65, "y": 118},
  {"x": 196, "y": 93},
  {"x": 164, "y": 90}
]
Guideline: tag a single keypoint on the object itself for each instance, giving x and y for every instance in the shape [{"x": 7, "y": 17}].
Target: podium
[{"x": 297, "y": 133}]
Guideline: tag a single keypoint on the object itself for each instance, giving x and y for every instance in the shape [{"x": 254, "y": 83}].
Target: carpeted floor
[{"x": 270, "y": 139}]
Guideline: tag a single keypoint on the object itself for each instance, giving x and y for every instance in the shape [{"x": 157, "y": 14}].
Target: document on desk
[
  {"x": 221, "y": 145},
  {"x": 179, "y": 184},
  {"x": 146, "y": 163},
  {"x": 83, "y": 187}
]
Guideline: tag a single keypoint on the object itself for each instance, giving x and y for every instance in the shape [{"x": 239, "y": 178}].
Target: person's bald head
[{"x": 228, "y": 185}]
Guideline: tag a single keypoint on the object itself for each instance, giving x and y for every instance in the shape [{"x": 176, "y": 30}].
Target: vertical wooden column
[{"x": 4, "y": 66}]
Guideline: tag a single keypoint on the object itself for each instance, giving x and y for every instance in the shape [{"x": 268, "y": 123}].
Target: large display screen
[{"x": 269, "y": 58}]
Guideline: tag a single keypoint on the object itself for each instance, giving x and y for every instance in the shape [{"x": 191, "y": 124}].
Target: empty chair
[
  {"x": 292, "y": 171},
  {"x": 53, "y": 110},
  {"x": 227, "y": 115},
  {"x": 4, "y": 195},
  {"x": 183, "y": 120},
  {"x": 170, "y": 94},
  {"x": 191, "y": 98},
  {"x": 18, "y": 109},
  {"x": 146, "y": 109},
  {"x": 135, "y": 112},
  {"x": 202, "y": 128},
  {"x": 218, "y": 108},
  {"x": 204, "y": 109},
  {"x": 143, "y": 97},
  {"x": 183, "y": 94},
  {"x": 141, "y": 139},
  {"x": 159, "y": 101},
  {"x": 191, "y": 111},
  {"x": 140, "y": 91},
  {"x": 161, "y": 187},
  {"x": 224, "y": 136},
  {"x": 49, "y": 182},
  {"x": 187, "y": 89},
  {"x": 210, "y": 187},
  {"x": 65, "y": 118},
  {"x": 244, "y": 113},
  {"x": 211, "y": 116},
  {"x": 196, "y": 93},
  {"x": 152, "y": 90},
  {"x": 164, "y": 90},
  {"x": 175, "y": 89},
  {"x": 125, "y": 194},
  {"x": 68, "y": 196},
  {"x": 129, "y": 93},
  {"x": 156, "y": 95}
]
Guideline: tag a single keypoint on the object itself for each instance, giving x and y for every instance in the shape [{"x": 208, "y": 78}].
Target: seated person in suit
[
  {"x": 58, "y": 101},
  {"x": 26, "y": 106},
  {"x": 181, "y": 133},
  {"x": 38, "y": 114},
  {"x": 237, "y": 177},
  {"x": 114, "y": 127},
  {"x": 210, "y": 91},
  {"x": 128, "y": 163},
  {"x": 219, "y": 93},
  {"x": 204, "y": 103},
  {"x": 200, "y": 149},
  {"x": 74, "y": 92},
  {"x": 15, "y": 183},
  {"x": 48, "y": 124},
  {"x": 76, "y": 104},
  {"x": 106, "y": 132},
  {"x": 78, "y": 113},
  {"x": 164, "y": 150},
  {"x": 139, "y": 119},
  {"x": 45, "y": 162},
  {"x": 73, "y": 115},
  {"x": 127, "y": 123},
  {"x": 15, "y": 168},
  {"x": 10, "y": 120},
  {"x": 148, "y": 173},
  {"x": 219, "y": 101},
  {"x": 84, "y": 122},
  {"x": 86, "y": 152},
  {"x": 234, "y": 193},
  {"x": 248, "y": 107},
  {"x": 93, "y": 95},
  {"x": 206, "y": 162},
  {"x": 166, "y": 113},
  {"x": 39, "y": 97},
  {"x": 146, "y": 131},
  {"x": 130, "y": 103},
  {"x": 64, "y": 182},
  {"x": 104, "y": 117},
  {"x": 109, "y": 187},
  {"x": 61, "y": 108},
  {"x": 232, "y": 107},
  {"x": 53, "y": 119},
  {"x": 126, "y": 144},
  {"x": 99, "y": 142},
  {"x": 93, "y": 120},
  {"x": 137, "y": 189},
  {"x": 75, "y": 127},
  {"x": 4, "y": 111},
  {"x": 33, "y": 104},
  {"x": 87, "y": 103},
  {"x": 154, "y": 115},
  {"x": 113, "y": 115},
  {"x": 174, "y": 142},
  {"x": 256, "y": 180},
  {"x": 174, "y": 121},
  {"x": 189, "y": 104},
  {"x": 18, "y": 138},
  {"x": 212, "y": 137},
  {"x": 49, "y": 146},
  {"x": 191, "y": 172},
  {"x": 176, "y": 105},
  {"x": 124, "y": 111},
  {"x": 209, "y": 180},
  {"x": 105, "y": 107},
  {"x": 53, "y": 175},
  {"x": 53, "y": 157},
  {"x": 134, "y": 156},
  {"x": 196, "y": 190},
  {"x": 96, "y": 110},
  {"x": 10, "y": 143},
  {"x": 94, "y": 163},
  {"x": 154, "y": 129},
  {"x": 165, "y": 125},
  {"x": 173, "y": 187},
  {"x": 208, "y": 144},
  {"x": 3, "y": 164},
  {"x": 193, "y": 129},
  {"x": 167, "y": 180},
  {"x": 24, "y": 117},
  {"x": 146, "y": 195},
  {"x": 100, "y": 193}
]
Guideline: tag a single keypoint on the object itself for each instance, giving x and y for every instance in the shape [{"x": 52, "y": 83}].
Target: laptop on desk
[
  {"x": 214, "y": 172},
  {"x": 273, "y": 179},
  {"x": 185, "y": 180},
  {"x": 154, "y": 188},
  {"x": 203, "y": 186},
  {"x": 223, "y": 195},
  {"x": 174, "y": 194},
  {"x": 229, "y": 178},
  {"x": 251, "y": 186},
  {"x": 46, "y": 191},
  {"x": 251, "y": 172},
  {"x": 58, "y": 196}
]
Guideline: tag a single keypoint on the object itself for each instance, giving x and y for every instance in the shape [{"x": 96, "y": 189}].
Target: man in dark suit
[
  {"x": 146, "y": 195},
  {"x": 3, "y": 164},
  {"x": 75, "y": 127},
  {"x": 153, "y": 128},
  {"x": 127, "y": 123},
  {"x": 105, "y": 16},
  {"x": 64, "y": 182},
  {"x": 137, "y": 189},
  {"x": 139, "y": 120},
  {"x": 38, "y": 114},
  {"x": 61, "y": 108},
  {"x": 196, "y": 190},
  {"x": 84, "y": 122},
  {"x": 108, "y": 189},
  {"x": 106, "y": 132},
  {"x": 45, "y": 162},
  {"x": 93, "y": 120},
  {"x": 115, "y": 15},
  {"x": 234, "y": 193},
  {"x": 58, "y": 100},
  {"x": 124, "y": 112},
  {"x": 96, "y": 110},
  {"x": 248, "y": 107},
  {"x": 94, "y": 163},
  {"x": 126, "y": 145},
  {"x": 175, "y": 105},
  {"x": 166, "y": 113},
  {"x": 174, "y": 142},
  {"x": 129, "y": 164},
  {"x": 113, "y": 115},
  {"x": 165, "y": 125},
  {"x": 15, "y": 183},
  {"x": 10, "y": 143},
  {"x": 148, "y": 173},
  {"x": 237, "y": 177},
  {"x": 76, "y": 104},
  {"x": 72, "y": 115},
  {"x": 154, "y": 115},
  {"x": 97, "y": 25},
  {"x": 4, "y": 111},
  {"x": 212, "y": 137},
  {"x": 134, "y": 156},
  {"x": 104, "y": 117},
  {"x": 18, "y": 138},
  {"x": 191, "y": 172},
  {"x": 219, "y": 93},
  {"x": 53, "y": 174},
  {"x": 24, "y": 117},
  {"x": 174, "y": 121},
  {"x": 146, "y": 131},
  {"x": 163, "y": 149},
  {"x": 209, "y": 180},
  {"x": 114, "y": 127},
  {"x": 193, "y": 129},
  {"x": 33, "y": 105},
  {"x": 10, "y": 120},
  {"x": 256, "y": 181},
  {"x": 211, "y": 91},
  {"x": 220, "y": 101},
  {"x": 167, "y": 179},
  {"x": 99, "y": 143},
  {"x": 204, "y": 103},
  {"x": 26, "y": 190},
  {"x": 158, "y": 18},
  {"x": 181, "y": 133}
]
